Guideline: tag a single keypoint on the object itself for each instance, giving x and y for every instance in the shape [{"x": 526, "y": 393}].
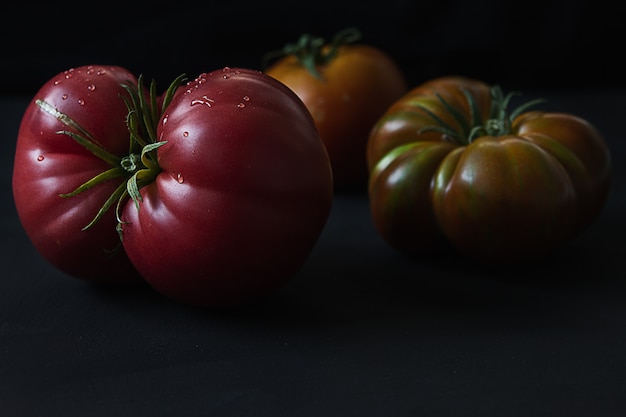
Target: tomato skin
[
  {"x": 244, "y": 192},
  {"x": 48, "y": 164},
  {"x": 586, "y": 156},
  {"x": 356, "y": 88},
  {"x": 496, "y": 199}
]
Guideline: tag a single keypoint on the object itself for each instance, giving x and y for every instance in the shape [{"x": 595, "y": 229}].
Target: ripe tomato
[
  {"x": 48, "y": 164},
  {"x": 229, "y": 182},
  {"x": 346, "y": 87},
  {"x": 449, "y": 163},
  {"x": 244, "y": 191}
]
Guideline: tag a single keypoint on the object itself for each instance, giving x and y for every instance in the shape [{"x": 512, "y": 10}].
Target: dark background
[
  {"x": 361, "y": 330},
  {"x": 557, "y": 44}
]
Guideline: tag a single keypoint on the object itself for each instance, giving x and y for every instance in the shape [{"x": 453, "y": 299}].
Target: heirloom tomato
[
  {"x": 218, "y": 190},
  {"x": 346, "y": 86},
  {"x": 243, "y": 191},
  {"x": 449, "y": 163},
  {"x": 48, "y": 163}
]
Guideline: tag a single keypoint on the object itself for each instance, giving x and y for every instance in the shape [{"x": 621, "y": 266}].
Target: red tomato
[
  {"x": 229, "y": 181},
  {"x": 48, "y": 164},
  {"x": 244, "y": 192},
  {"x": 346, "y": 87}
]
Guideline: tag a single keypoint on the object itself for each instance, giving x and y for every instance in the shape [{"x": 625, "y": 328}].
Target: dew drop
[
  {"x": 226, "y": 76},
  {"x": 41, "y": 158},
  {"x": 64, "y": 97},
  {"x": 81, "y": 101},
  {"x": 246, "y": 98},
  {"x": 185, "y": 134},
  {"x": 57, "y": 82},
  {"x": 179, "y": 178},
  {"x": 241, "y": 105},
  {"x": 91, "y": 87},
  {"x": 101, "y": 72}
]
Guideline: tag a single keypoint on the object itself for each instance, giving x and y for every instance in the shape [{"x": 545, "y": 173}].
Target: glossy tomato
[
  {"x": 346, "y": 86},
  {"x": 49, "y": 163},
  {"x": 449, "y": 163},
  {"x": 243, "y": 192},
  {"x": 219, "y": 198}
]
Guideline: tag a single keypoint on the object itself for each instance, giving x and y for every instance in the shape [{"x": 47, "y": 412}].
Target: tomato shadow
[
  {"x": 352, "y": 277},
  {"x": 375, "y": 284}
]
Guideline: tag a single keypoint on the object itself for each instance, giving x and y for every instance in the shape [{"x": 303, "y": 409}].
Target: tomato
[
  {"x": 244, "y": 191},
  {"x": 451, "y": 166},
  {"x": 225, "y": 186},
  {"x": 346, "y": 86},
  {"x": 48, "y": 164}
]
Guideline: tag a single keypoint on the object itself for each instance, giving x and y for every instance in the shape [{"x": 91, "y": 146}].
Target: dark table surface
[{"x": 360, "y": 331}]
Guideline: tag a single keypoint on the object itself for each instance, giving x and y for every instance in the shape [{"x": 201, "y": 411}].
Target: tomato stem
[
  {"x": 497, "y": 123},
  {"x": 140, "y": 167},
  {"x": 129, "y": 163},
  {"x": 313, "y": 52}
]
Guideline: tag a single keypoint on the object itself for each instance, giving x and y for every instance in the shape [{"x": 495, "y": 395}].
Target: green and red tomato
[{"x": 450, "y": 164}]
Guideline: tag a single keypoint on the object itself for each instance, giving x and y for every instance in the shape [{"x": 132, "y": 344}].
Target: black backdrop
[
  {"x": 556, "y": 44},
  {"x": 361, "y": 331}
]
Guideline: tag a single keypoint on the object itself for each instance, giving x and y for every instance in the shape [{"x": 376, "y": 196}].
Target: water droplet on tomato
[
  {"x": 91, "y": 87},
  {"x": 41, "y": 158},
  {"x": 241, "y": 105},
  {"x": 226, "y": 76},
  {"x": 81, "y": 101},
  {"x": 185, "y": 134},
  {"x": 64, "y": 97},
  {"x": 179, "y": 178},
  {"x": 246, "y": 98},
  {"x": 203, "y": 100},
  {"x": 57, "y": 82},
  {"x": 101, "y": 72}
]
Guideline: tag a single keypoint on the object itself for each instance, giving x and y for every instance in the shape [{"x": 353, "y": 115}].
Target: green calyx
[
  {"x": 313, "y": 52},
  {"x": 140, "y": 167},
  {"x": 498, "y": 123}
]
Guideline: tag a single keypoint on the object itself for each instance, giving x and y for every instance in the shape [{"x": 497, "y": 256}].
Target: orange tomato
[{"x": 346, "y": 87}]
